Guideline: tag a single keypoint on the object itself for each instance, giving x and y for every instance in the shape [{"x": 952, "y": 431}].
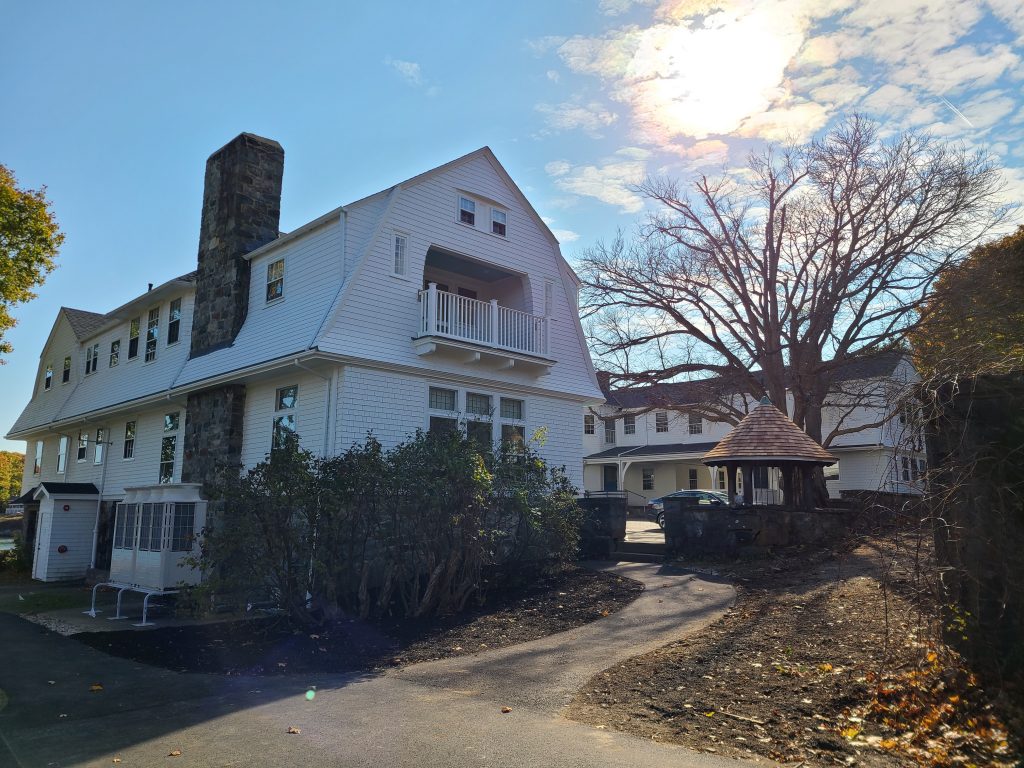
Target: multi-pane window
[
  {"x": 275, "y": 280},
  {"x": 174, "y": 322},
  {"x": 691, "y": 478},
  {"x": 285, "y": 400},
  {"x": 151, "y": 523},
  {"x": 115, "y": 352},
  {"x": 92, "y": 358},
  {"x": 442, "y": 399},
  {"x": 171, "y": 421},
  {"x": 183, "y": 526},
  {"x": 513, "y": 435},
  {"x": 661, "y": 421},
  {"x": 905, "y": 468},
  {"x": 124, "y": 528},
  {"x": 609, "y": 431},
  {"x": 37, "y": 466},
  {"x": 98, "y": 452},
  {"x": 647, "y": 474},
  {"x": 152, "y": 332},
  {"x": 62, "y": 454},
  {"x": 65, "y": 375},
  {"x": 443, "y": 424},
  {"x": 167, "y": 446},
  {"x": 498, "y": 221},
  {"x": 83, "y": 445},
  {"x": 467, "y": 211},
  {"x": 511, "y": 408},
  {"x": 400, "y": 244},
  {"x": 922, "y": 466},
  {"x": 629, "y": 425},
  {"x": 588, "y": 424},
  {"x": 129, "y": 440},
  {"x": 133, "y": 337},
  {"x": 48, "y": 377},
  {"x": 481, "y": 432},
  {"x": 696, "y": 424},
  {"x": 477, "y": 404}
]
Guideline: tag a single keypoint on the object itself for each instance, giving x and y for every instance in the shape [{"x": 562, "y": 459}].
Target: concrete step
[
  {"x": 650, "y": 547},
  {"x": 637, "y": 557}
]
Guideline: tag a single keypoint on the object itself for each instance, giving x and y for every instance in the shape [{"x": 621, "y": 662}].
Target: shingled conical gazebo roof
[{"x": 766, "y": 435}]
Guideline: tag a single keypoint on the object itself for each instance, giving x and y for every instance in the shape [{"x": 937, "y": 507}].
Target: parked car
[{"x": 656, "y": 507}]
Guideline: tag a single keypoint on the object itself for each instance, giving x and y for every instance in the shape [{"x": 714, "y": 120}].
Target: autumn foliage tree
[
  {"x": 29, "y": 241},
  {"x": 11, "y": 466},
  {"x": 775, "y": 278}
]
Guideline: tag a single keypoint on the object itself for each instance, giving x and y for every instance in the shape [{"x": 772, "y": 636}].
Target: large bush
[{"x": 418, "y": 530}]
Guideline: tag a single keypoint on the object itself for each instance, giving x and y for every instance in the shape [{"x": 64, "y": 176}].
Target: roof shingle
[{"x": 767, "y": 433}]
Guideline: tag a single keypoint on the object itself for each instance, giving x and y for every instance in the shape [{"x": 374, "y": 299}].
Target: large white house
[
  {"x": 443, "y": 299},
  {"x": 648, "y": 441}
]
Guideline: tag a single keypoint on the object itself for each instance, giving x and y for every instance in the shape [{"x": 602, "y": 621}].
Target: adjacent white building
[
  {"x": 441, "y": 300},
  {"x": 648, "y": 441}
]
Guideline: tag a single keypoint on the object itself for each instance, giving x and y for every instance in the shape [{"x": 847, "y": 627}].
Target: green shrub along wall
[{"x": 416, "y": 530}]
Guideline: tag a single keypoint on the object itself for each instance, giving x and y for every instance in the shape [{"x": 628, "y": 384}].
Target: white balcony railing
[{"x": 482, "y": 322}]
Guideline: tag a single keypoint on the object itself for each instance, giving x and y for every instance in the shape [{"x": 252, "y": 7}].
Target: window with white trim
[
  {"x": 65, "y": 375},
  {"x": 513, "y": 436},
  {"x": 467, "y": 211},
  {"x": 83, "y": 446},
  {"x": 37, "y": 465},
  {"x": 115, "y": 353},
  {"x": 513, "y": 430},
  {"x": 398, "y": 250},
  {"x": 92, "y": 358},
  {"x": 124, "y": 527},
  {"x": 588, "y": 424},
  {"x": 441, "y": 399},
  {"x": 661, "y": 421},
  {"x": 696, "y": 423},
  {"x": 609, "y": 431},
  {"x": 183, "y": 526},
  {"x": 905, "y": 468},
  {"x": 647, "y": 477},
  {"x": 275, "y": 280},
  {"x": 174, "y": 322},
  {"x": 478, "y": 404},
  {"x": 98, "y": 451},
  {"x": 129, "y": 440},
  {"x": 133, "y": 337},
  {"x": 691, "y": 478},
  {"x": 511, "y": 408},
  {"x": 62, "y": 454},
  {"x": 152, "y": 332},
  {"x": 151, "y": 523},
  {"x": 167, "y": 447},
  {"x": 285, "y": 400},
  {"x": 629, "y": 425},
  {"x": 499, "y": 222},
  {"x": 48, "y": 376}
]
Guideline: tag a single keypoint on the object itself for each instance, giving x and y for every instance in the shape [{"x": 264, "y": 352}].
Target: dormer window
[
  {"x": 92, "y": 358},
  {"x": 48, "y": 377},
  {"x": 467, "y": 211},
  {"x": 152, "y": 332},
  {"x": 65, "y": 375},
  {"x": 174, "y": 322},
  {"x": 275, "y": 281},
  {"x": 399, "y": 264},
  {"x": 498, "y": 221},
  {"x": 133, "y": 337}
]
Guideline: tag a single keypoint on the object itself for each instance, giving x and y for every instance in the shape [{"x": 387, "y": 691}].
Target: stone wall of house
[
  {"x": 213, "y": 435},
  {"x": 241, "y": 212}
]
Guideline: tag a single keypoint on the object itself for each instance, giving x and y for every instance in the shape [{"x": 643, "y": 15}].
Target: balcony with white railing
[{"x": 481, "y": 331}]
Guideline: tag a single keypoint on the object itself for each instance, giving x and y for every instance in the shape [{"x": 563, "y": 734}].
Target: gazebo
[{"x": 766, "y": 437}]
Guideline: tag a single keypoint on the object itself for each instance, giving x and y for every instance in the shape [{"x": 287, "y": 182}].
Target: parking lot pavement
[{"x": 645, "y": 531}]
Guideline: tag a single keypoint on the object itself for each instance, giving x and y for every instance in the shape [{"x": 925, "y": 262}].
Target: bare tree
[{"x": 776, "y": 278}]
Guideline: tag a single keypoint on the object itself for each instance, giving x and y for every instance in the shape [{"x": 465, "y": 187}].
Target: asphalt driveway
[{"x": 446, "y": 713}]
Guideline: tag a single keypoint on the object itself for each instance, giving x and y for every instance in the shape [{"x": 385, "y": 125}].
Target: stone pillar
[
  {"x": 241, "y": 212},
  {"x": 213, "y": 435}
]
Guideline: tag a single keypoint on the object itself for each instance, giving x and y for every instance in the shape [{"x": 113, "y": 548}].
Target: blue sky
[{"x": 115, "y": 107}]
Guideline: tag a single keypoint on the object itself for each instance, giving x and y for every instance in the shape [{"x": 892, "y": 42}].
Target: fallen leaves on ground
[
  {"x": 174, "y": 753},
  {"x": 293, "y": 729},
  {"x": 96, "y": 687},
  {"x": 506, "y": 710}
]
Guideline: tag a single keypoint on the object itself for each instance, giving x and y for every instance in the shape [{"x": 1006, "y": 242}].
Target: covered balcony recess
[{"x": 480, "y": 314}]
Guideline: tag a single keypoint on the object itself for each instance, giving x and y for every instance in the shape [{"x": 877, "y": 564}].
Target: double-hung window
[
  {"x": 691, "y": 478},
  {"x": 37, "y": 466},
  {"x": 629, "y": 425},
  {"x": 441, "y": 399},
  {"x": 83, "y": 445},
  {"x": 696, "y": 424},
  {"x": 133, "y": 337},
  {"x": 65, "y": 375},
  {"x": 609, "y": 431},
  {"x": 98, "y": 452},
  {"x": 275, "y": 280},
  {"x": 92, "y": 358},
  {"x": 129, "y": 440},
  {"x": 513, "y": 431},
  {"x": 647, "y": 478},
  {"x": 62, "y": 454},
  {"x": 399, "y": 265},
  {"x": 467, "y": 211},
  {"x": 285, "y": 401},
  {"x": 661, "y": 421},
  {"x": 152, "y": 332},
  {"x": 167, "y": 447},
  {"x": 115, "y": 353},
  {"x": 477, "y": 429},
  {"x": 48, "y": 376},
  {"x": 588, "y": 424},
  {"x": 174, "y": 322},
  {"x": 499, "y": 220}
]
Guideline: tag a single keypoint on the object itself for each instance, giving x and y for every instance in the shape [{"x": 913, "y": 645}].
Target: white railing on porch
[{"x": 482, "y": 322}]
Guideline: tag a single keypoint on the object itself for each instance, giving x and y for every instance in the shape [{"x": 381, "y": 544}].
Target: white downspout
[{"x": 99, "y": 502}]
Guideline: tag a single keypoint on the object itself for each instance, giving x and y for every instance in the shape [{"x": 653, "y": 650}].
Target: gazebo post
[
  {"x": 748, "y": 484},
  {"x": 730, "y": 482},
  {"x": 807, "y": 487}
]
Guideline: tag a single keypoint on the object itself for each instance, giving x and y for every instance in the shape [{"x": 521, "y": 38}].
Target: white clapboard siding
[
  {"x": 71, "y": 529},
  {"x": 380, "y": 313},
  {"x": 310, "y": 414},
  {"x": 45, "y": 405}
]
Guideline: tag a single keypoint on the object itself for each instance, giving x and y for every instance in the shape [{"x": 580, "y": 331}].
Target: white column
[
  {"x": 431, "y": 328},
  {"x": 494, "y": 323}
]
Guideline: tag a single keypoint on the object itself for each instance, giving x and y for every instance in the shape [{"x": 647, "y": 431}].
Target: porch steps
[{"x": 639, "y": 552}]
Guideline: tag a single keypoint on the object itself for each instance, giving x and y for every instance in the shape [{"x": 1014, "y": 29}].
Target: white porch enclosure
[
  {"x": 458, "y": 317},
  {"x": 155, "y": 530}
]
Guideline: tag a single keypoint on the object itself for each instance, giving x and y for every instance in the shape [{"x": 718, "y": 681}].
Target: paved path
[{"x": 445, "y": 713}]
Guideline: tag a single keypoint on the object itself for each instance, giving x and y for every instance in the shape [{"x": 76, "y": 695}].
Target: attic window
[
  {"x": 661, "y": 421},
  {"x": 399, "y": 265},
  {"x": 174, "y": 322},
  {"x": 48, "y": 377},
  {"x": 133, "y": 337},
  {"x": 467, "y": 211},
  {"x": 275, "y": 281},
  {"x": 498, "y": 221},
  {"x": 65, "y": 375}
]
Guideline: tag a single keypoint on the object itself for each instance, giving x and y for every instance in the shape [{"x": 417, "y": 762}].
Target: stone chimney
[{"x": 241, "y": 212}]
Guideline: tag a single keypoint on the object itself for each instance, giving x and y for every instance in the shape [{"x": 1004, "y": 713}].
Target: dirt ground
[
  {"x": 568, "y": 599},
  {"x": 817, "y": 663}
]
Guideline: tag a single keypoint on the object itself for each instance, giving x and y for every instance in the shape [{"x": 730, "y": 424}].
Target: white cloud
[
  {"x": 411, "y": 73},
  {"x": 611, "y": 181},
  {"x": 540, "y": 46},
  {"x": 553, "y": 75},
  {"x": 619, "y": 7},
  {"x": 557, "y": 168},
  {"x": 591, "y": 117},
  {"x": 562, "y": 235}
]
